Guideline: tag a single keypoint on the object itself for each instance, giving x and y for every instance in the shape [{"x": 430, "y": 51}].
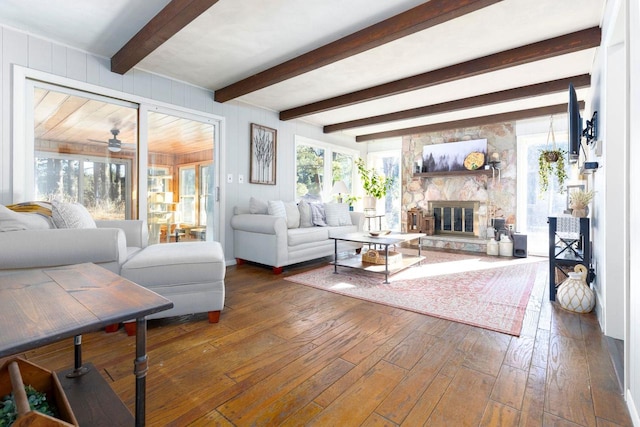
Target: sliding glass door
[
  {"x": 181, "y": 205},
  {"x": 85, "y": 150},
  {"x": 104, "y": 152}
]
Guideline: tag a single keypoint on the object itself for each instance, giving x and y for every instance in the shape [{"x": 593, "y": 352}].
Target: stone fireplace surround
[{"x": 495, "y": 198}]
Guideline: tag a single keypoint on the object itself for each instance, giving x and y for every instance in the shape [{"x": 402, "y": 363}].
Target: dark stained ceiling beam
[
  {"x": 175, "y": 16},
  {"x": 417, "y": 19},
  {"x": 475, "y": 121},
  {"x": 569, "y": 43},
  {"x": 460, "y": 104}
]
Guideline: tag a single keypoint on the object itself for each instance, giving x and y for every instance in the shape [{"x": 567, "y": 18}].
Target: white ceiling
[{"x": 235, "y": 39}]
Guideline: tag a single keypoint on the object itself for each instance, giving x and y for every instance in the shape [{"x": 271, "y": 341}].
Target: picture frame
[
  {"x": 451, "y": 156},
  {"x": 263, "y": 155}
]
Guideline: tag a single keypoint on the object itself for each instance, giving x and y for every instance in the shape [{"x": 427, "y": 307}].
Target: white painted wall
[
  {"x": 43, "y": 55},
  {"x": 610, "y": 181},
  {"x": 616, "y": 96},
  {"x": 632, "y": 333}
]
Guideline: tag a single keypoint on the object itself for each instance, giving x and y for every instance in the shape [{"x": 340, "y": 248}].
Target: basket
[
  {"x": 21, "y": 372},
  {"x": 373, "y": 256}
]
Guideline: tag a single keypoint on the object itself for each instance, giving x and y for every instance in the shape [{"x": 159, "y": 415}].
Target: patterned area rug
[{"x": 488, "y": 292}]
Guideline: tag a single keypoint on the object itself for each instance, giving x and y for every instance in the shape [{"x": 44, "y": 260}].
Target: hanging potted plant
[
  {"x": 375, "y": 185},
  {"x": 551, "y": 162}
]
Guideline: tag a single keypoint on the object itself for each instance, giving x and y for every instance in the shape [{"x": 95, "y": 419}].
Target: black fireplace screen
[{"x": 453, "y": 220}]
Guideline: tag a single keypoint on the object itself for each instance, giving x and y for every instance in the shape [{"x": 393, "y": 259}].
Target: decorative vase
[
  {"x": 493, "y": 247},
  {"x": 369, "y": 205},
  {"x": 574, "y": 294},
  {"x": 580, "y": 212},
  {"x": 506, "y": 246}
]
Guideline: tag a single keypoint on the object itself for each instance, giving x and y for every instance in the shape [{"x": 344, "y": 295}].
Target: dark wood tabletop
[{"x": 44, "y": 306}]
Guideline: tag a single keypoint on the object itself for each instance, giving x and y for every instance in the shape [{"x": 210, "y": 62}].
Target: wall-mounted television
[
  {"x": 575, "y": 126},
  {"x": 576, "y": 131}
]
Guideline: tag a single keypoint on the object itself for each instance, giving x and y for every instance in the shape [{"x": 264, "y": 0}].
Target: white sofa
[
  {"x": 190, "y": 274},
  {"x": 278, "y": 241}
]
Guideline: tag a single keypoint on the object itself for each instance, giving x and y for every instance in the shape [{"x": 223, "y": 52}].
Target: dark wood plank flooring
[{"x": 287, "y": 354}]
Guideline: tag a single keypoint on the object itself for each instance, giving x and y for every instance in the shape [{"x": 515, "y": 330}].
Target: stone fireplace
[{"x": 456, "y": 218}]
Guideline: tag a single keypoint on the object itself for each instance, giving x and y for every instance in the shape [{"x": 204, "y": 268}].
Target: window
[
  {"x": 315, "y": 161},
  {"x": 184, "y": 147},
  {"x": 534, "y": 207},
  {"x": 388, "y": 163},
  {"x": 84, "y": 148},
  {"x": 102, "y": 187}
]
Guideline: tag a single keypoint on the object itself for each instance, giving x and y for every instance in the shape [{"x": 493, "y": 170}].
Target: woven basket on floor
[{"x": 373, "y": 256}]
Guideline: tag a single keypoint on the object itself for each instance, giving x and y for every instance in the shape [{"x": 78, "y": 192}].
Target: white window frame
[
  {"x": 329, "y": 149},
  {"x": 22, "y": 187}
]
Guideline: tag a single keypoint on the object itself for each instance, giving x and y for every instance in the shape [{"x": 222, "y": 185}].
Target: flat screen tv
[{"x": 575, "y": 126}]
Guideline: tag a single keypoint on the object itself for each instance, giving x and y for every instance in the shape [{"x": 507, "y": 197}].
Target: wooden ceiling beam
[
  {"x": 417, "y": 19},
  {"x": 569, "y": 43},
  {"x": 474, "y": 121},
  {"x": 538, "y": 89},
  {"x": 175, "y": 16}
]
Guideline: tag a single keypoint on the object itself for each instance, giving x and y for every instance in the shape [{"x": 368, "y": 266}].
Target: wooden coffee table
[
  {"x": 43, "y": 306},
  {"x": 383, "y": 242}
]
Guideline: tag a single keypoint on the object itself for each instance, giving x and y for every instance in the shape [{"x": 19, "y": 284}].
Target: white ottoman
[{"x": 190, "y": 274}]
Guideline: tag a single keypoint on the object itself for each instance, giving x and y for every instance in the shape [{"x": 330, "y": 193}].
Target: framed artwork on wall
[
  {"x": 454, "y": 156},
  {"x": 263, "y": 155}
]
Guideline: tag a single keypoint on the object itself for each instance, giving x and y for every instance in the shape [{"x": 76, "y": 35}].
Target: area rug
[{"x": 488, "y": 292}]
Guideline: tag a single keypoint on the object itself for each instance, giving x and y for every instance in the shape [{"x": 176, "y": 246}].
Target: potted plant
[
  {"x": 350, "y": 200},
  {"x": 375, "y": 185},
  {"x": 551, "y": 162},
  {"x": 579, "y": 201}
]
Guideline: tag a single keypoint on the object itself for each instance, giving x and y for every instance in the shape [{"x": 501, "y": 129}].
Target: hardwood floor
[{"x": 287, "y": 354}]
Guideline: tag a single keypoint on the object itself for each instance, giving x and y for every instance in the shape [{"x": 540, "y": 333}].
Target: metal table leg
[
  {"x": 386, "y": 264},
  {"x": 335, "y": 256},
  {"x": 141, "y": 366}
]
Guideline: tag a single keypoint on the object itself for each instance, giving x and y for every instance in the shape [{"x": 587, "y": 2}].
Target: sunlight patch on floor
[{"x": 462, "y": 266}]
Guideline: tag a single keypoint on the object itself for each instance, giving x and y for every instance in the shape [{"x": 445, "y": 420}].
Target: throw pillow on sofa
[
  {"x": 337, "y": 214},
  {"x": 305, "y": 214},
  {"x": 318, "y": 214},
  {"x": 276, "y": 208},
  {"x": 257, "y": 206},
  {"x": 71, "y": 215},
  {"x": 293, "y": 214}
]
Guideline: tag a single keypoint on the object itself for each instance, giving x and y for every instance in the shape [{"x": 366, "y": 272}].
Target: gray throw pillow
[
  {"x": 305, "y": 214},
  {"x": 318, "y": 215},
  {"x": 337, "y": 214},
  {"x": 71, "y": 215},
  {"x": 257, "y": 206}
]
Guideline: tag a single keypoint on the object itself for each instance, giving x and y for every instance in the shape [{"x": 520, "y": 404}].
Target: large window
[
  {"x": 533, "y": 206},
  {"x": 80, "y": 146},
  {"x": 85, "y": 147},
  {"x": 388, "y": 164},
  {"x": 102, "y": 187},
  {"x": 319, "y": 166}
]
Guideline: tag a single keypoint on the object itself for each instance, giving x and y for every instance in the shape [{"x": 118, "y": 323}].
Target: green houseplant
[
  {"x": 374, "y": 184},
  {"x": 551, "y": 162}
]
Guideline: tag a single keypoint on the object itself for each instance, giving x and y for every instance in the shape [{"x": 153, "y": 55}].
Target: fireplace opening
[{"x": 455, "y": 217}]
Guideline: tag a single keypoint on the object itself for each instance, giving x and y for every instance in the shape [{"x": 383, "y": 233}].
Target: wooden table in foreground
[
  {"x": 383, "y": 241},
  {"x": 44, "y": 306}
]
